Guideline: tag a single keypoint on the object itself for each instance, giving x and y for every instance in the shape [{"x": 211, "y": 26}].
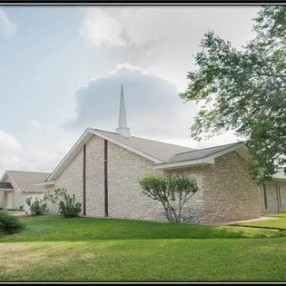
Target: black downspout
[{"x": 105, "y": 180}]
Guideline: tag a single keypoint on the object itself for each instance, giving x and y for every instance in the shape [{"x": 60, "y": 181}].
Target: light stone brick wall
[
  {"x": 71, "y": 179},
  {"x": 283, "y": 197},
  {"x": 274, "y": 204},
  {"x": 226, "y": 190},
  {"x": 230, "y": 193},
  {"x": 193, "y": 209},
  {"x": 95, "y": 177},
  {"x": 126, "y": 199}
]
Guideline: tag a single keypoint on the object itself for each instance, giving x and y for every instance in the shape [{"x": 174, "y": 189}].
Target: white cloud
[
  {"x": 36, "y": 124},
  {"x": 10, "y": 151},
  {"x": 101, "y": 29},
  {"x": 7, "y": 27},
  {"x": 161, "y": 39}
]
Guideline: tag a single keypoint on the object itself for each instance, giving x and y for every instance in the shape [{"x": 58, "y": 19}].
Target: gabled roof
[
  {"x": 203, "y": 156},
  {"x": 163, "y": 155},
  {"x": 201, "y": 153},
  {"x": 25, "y": 181},
  {"x": 155, "y": 151}
]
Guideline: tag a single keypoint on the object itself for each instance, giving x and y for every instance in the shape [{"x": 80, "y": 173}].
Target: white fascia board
[
  {"x": 12, "y": 181},
  {"x": 177, "y": 165},
  {"x": 228, "y": 150},
  {"x": 52, "y": 182},
  {"x": 207, "y": 160},
  {"x": 129, "y": 148},
  {"x": 4, "y": 175},
  {"x": 83, "y": 138}
]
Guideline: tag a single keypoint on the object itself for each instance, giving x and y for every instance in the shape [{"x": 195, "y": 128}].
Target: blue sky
[{"x": 61, "y": 69}]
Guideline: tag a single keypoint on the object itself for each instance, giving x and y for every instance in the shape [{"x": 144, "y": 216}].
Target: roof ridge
[{"x": 142, "y": 138}]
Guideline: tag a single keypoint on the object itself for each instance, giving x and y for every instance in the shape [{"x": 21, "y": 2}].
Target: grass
[
  {"x": 279, "y": 224},
  {"x": 281, "y": 215},
  {"x": 85, "y": 249},
  {"x": 50, "y": 228}
]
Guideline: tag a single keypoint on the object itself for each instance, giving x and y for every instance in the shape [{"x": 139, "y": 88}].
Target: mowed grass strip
[
  {"x": 279, "y": 224},
  {"x": 146, "y": 260},
  {"x": 281, "y": 215},
  {"x": 50, "y": 228},
  {"x": 87, "y": 249}
]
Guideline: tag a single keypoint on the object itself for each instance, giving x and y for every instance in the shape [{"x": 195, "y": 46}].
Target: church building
[{"x": 103, "y": 170}]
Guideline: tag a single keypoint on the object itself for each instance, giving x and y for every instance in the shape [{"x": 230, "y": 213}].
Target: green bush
[
  {"x": 9, "y": 224},
  {"x": 173, "y": 191},
  {"x": 68, "y": 207},
  {"x": 36, "y": 207}
]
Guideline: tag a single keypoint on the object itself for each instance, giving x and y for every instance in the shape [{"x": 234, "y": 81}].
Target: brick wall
[
  {"x": 71, "y": 179},
  {"x": 275, "y": 203},
  {"x": 193, "y": 209},
  {"x": 226, "y": 191},
  {"x": 229, "y": 192},
  {"x": 126, "y": 199}
]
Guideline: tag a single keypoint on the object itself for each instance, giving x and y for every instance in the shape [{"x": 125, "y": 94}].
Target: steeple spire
[{"x": 122, "y": 123}]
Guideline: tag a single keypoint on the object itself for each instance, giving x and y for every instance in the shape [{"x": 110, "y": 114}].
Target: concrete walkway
[{"x": 262, "y": 218}]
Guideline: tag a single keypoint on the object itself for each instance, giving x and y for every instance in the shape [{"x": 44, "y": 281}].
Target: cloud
[
  {"x": 153, "y": 106},
  {"x": 36, "y": 124},
  {"x": 10, "y": 151},
  {"x": 101, "y": 30},
  {"x": 161, "y": 39},
  {"x": 7, "y": 27}
]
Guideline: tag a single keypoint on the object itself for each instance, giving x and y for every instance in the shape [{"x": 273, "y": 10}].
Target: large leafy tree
[{"x": 245, "y": 90}]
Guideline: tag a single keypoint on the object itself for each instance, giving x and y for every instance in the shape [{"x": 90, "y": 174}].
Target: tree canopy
[{"x": 245, "y": 90}]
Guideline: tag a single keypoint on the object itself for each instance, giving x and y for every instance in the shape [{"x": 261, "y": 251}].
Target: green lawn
[
  {"x": 279, "y": 223},
  {"x": 281, "y": 215},
  {"x": 85, "y": 249}
]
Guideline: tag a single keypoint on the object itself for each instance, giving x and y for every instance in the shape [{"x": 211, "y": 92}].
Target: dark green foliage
[
  {"x": 244, "y": 90},
  {"x": 36, "y": 207},
  {"x": 172, "y": 191},
  {"x": 68, "y": 207},
  {"x": 9, "y": 224}
]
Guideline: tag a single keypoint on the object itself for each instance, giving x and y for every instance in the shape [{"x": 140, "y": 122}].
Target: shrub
[
  {"x": 9, "y": 224},
  {"x": 36, "y": 207},
  {"x": 68, "y": 207},
  {"x": 172, "y": 191}
]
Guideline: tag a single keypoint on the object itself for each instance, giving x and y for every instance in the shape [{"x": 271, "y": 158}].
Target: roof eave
[
  {"x": 177, "y": 165},
  {"x": 208, "y": 160},
  {"x": 88, "y": 133}
]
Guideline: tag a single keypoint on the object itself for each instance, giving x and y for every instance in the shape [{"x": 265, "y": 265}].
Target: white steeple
[{"x": 122, "y": 123}]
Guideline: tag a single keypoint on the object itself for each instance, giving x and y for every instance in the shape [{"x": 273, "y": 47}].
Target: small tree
[
  {"x": 172, "y": 191},
  {"x": 68, "y": 207},
  {"x": 36, "y": 207}
]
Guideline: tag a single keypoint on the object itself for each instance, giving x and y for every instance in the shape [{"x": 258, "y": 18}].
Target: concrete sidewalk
[{"x": 262, "y": 218}]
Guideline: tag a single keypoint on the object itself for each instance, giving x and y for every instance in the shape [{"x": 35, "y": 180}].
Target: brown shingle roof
[
  {"x": 26, "y": 180},
  {"x": 201, "y": 153},
  {"x": 160, "y": 150}
]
